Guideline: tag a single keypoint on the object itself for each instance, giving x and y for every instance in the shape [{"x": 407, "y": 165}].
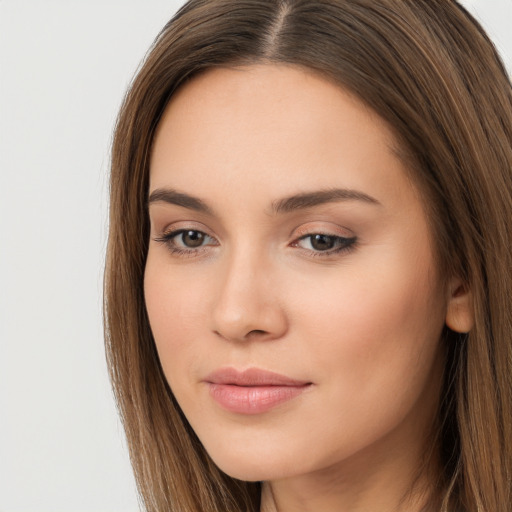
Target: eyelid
[
  {"x": 182, "y": 225},
  {"x": 314, "y": 228}
]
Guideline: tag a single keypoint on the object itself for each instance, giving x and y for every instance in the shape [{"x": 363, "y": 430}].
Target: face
[{"x": 290, "y": 280}]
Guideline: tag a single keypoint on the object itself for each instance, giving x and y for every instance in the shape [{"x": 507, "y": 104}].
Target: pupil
[
  {"x": 322, "y": 242},
  {"x": 193, "y": 238}
]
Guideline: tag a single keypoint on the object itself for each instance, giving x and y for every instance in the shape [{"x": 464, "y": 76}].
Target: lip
[{"x": 252, "y": 391}]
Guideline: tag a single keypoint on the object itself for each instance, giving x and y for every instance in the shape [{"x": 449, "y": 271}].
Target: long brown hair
[{"x": 429, "y": 70}]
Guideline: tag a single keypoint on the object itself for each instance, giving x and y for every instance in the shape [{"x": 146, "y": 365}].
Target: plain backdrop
[{"x": 64, "y": 67}]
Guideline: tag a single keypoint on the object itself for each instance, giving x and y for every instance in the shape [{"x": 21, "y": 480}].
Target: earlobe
[{"x": 460, "y": 313}]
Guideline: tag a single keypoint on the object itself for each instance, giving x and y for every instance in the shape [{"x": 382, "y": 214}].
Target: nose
[{"x": 247, "y": 305}]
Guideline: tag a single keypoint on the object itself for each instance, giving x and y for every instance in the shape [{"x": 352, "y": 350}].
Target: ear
[{"x": 460, "y": 314}]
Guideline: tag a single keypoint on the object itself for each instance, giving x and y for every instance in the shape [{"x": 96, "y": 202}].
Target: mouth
[{"x": 252, "y": 391}]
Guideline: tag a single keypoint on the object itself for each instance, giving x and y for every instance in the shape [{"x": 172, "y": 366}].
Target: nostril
[{"x": 255, "y": 333}]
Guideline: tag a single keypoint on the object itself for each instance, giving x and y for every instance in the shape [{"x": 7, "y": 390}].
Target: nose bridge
[{"x": 247, "y": 304}]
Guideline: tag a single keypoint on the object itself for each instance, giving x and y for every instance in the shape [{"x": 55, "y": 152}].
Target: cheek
[
  {"x": 173, "y": 303},
  {"x": 377, "y": 323},
  {"x": 375, "y": 339}
]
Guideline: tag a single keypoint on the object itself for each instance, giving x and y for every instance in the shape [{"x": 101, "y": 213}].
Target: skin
[{"x": 362, "y": 325}]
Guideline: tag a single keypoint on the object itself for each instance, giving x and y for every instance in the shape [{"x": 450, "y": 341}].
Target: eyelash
[
  {"x": 342, "y": 244},
  {"x": 168, "y": 240}
]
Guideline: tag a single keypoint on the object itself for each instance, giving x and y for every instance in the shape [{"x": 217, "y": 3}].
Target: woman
[{"x": 309, "y": 278}]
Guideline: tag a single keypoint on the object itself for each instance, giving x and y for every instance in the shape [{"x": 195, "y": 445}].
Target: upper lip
[{"x": 251, "y": 377}]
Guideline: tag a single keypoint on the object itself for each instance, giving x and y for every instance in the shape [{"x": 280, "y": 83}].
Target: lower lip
[{"x": 253, "y": 399}]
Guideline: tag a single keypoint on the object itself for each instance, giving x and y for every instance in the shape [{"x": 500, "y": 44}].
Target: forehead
[{"x": 272, "y": 128}]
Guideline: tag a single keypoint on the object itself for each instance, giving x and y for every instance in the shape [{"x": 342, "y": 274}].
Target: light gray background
[{"x": 64, "y": 66}]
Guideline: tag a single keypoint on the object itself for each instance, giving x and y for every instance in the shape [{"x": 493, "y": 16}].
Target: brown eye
[
  {"x": 322, "y": 242},
  {"x": 192, "y": 239}
]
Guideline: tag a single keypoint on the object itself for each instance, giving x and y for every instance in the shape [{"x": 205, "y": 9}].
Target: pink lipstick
[{"x": 252, "y": 391}]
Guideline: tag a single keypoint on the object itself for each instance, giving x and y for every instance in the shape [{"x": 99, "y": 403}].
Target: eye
[
  {"x": 186, "y": 241},
  {"x": 324, "y": 243},
  {"x": 190, "y": 238}
]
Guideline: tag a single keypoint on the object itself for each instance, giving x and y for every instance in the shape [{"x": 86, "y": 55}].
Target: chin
[
  {"x": 246, "y": 474},
  {"x": 256, "y": 466},
  {"x": 246, "y": 470}
]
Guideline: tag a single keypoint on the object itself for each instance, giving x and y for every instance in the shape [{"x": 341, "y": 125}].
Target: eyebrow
[
  {"x": 170, "y": 196},
  {"x": 310, "y": 199},
  {"x": 285, "y": 205}
]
